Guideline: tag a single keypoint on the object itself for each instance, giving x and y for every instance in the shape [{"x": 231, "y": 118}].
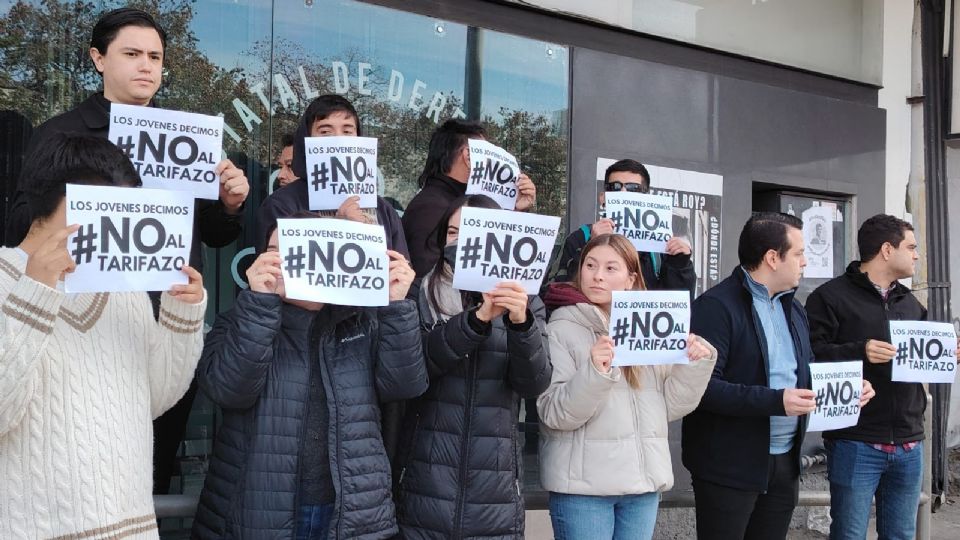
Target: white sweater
[{"x": 82, "y": 376}]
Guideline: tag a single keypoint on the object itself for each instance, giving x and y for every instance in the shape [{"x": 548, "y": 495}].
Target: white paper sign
[
  {"x": 837, "y": 387},
  {"x": 339, "y": 168},
  {"x": 171, "y": 149},
  {"x": 503, "y": 245},
  {"x": 649, "y": 327},
  {"x": 926, "y": 351},
  {"x": 818, "y": 241},
  {"x": 130, "y": 239},
  {"x": 646, "y": 220},
  {"x": 494, "y": 172},
  {"x": 335, "y": 261}
]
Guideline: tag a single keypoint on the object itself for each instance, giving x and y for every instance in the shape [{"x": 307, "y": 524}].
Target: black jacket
[
  {"x": 462, "y": 462},
  {"x": 422, "y": 216},
  {"x": 294, "y": 198},
  {"x": 661, "y": 272},
  {"x": 726, "y": 440},
  {"x": 256, "y": 366},
  {"x": 212, "y": 225},
  {"x": 844, "y": 313}
]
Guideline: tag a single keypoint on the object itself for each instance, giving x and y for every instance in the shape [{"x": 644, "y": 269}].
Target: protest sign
[
  {"x": 926, "y": 351},
  {"x": 649, "y": 327},
  {"x": 127, "y": 244},
  {"x": 170, "y": 149},
  {"x": 339, "y": 168},
  {"x": 503, "y": 245},
  {"x": 818, "y": 241},
  {"x": 335, "y": 261},
  {"x": 494, "y": 172},
  {"x": 836, "y": 386},
  {"x": 646, "y": 220},
  {"x": 697, "y": 213}
]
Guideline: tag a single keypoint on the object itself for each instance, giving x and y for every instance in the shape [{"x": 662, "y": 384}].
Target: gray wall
[{"x": 720, "y": 123}]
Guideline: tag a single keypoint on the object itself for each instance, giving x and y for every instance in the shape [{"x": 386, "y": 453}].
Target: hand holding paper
[
  {"x": 192, "y": 292},
  {"x": 879, "y": 352},
  {"x": 678, "y": 246},
  {"x": 401, "y": 276},
  {"x": 526, "y": 193},
  {"x": 604, "y": 226},
  {"x": 234, "y": 186},
  {"x": 696, "y": 350},
  {"x": 602, "y": 354},
  {"x": 265, "y": 275},
  {"x": 51, "y": 260},
  {"x": 798, "y": 401},
  {"x": 866, "y": 393},
  {"x": 350, "y": 209},
  {"x": 513, "y": 298},
  {"x": 489, "y": 310}
]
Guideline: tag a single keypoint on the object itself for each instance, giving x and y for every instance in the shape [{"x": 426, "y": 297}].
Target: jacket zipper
[
  {"x": 464, "y": 445},
  {"x": 313, "y": 355},
  {"x": 403, "y": 471},
  {"x": 333, "y": 417}
]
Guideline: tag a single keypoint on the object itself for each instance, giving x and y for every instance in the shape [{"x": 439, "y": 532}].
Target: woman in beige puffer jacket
[{"x": 604, "y": 455}]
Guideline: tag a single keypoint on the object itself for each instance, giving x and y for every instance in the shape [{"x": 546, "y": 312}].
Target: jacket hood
[
  {"x": 585, "y": 314},
  {"x": 299, "y": 164}
]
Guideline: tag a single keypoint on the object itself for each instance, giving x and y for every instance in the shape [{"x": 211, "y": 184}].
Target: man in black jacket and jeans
[{"x": 850, "y": 320}]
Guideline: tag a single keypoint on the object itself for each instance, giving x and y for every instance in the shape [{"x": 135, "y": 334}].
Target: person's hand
[
  {"x": 696, "y": 350},
  {"x": 192, "y": 292},
  {"x": 264, "y": 274},
  {"x": 510, "y": 296},
  {"x": 879, "y": 352},
  {"x": 866, "y": 393},
  {"x": 350, "y": 209},
  {"x": 52, "y": 260},
  {"x": 488, "y": 309},
  {"x": 798, "y": 401},
  {"x": 526, "y": 193},
  {"x": 678, "y": 246},
  {"x": 233, "y": 186},
  {"x": 604, "y": 226},
  {"x": 601, "y": 354},
  {"x": 401, "y": 276}
]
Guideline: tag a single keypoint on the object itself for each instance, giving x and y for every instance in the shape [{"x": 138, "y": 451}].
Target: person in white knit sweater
[
  {"x": 604, "y": 455},
  {"x": 83, "y": 375}
]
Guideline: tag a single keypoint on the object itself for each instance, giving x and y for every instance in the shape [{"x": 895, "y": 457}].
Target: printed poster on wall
[
  {"x": 171, "y": 149},
  {"x": 130, "y": 239},
  {"x": 818, "y": 241},
  {"x": 697, "y": 213}
]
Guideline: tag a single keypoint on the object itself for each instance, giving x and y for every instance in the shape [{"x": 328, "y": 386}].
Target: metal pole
[
  {"x": 923, "y": 511},
  {"x": 473, "y": 75}
]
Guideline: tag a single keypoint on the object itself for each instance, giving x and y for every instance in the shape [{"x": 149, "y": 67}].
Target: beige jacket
[{"x": 599, "y": 436}]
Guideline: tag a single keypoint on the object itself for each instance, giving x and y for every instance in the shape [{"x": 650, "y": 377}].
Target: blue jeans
[
  {"x": 593, "y": 517},
  {"x": 313, "y": 522},
  {"x": 858, "y": 471}
]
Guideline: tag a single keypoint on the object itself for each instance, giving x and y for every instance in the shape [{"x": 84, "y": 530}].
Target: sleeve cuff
[
  {"x": 522, "y": 327},
  {"x": 480, "y": 327},
  {"x": 180, "y": 316}
]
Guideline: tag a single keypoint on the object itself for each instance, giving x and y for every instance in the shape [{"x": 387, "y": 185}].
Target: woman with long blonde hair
[{"x": 604, "y": 455}]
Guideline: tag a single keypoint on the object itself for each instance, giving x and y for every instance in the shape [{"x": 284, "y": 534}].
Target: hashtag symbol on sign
[
  {"x": 470, "y": 252},
  {"x": 321, "y": 175},
  {"x": 617, "y": 218},
  {"x": 85, "y": 244},
  {"x": 902, "y": 353},
  {"x": 477, "y": 172},
  {"x": 620, "y": 331},
  {"x": 294, "y": 260},
  {"x": 821, "y": 394},
  {"x": 126, "y": 146}
]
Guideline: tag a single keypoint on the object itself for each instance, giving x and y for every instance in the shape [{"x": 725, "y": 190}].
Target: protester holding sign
[
  {"x": 327, "y": 116},
  {"x": 850, "y": 320},
  {"x": 460, "y": 475},
  {"x": 604, "y": 455},
  {"x": 443, "y": 180},
  {"x": 672, "y": 270},
  {"x": 83, "y": 375},
  {"x": 299, "y": 453}
]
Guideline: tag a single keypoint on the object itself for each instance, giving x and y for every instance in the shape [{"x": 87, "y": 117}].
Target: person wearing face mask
[
  {"x": 299, "y": 453},
  {"x": 604, "y": 454},
  {"x": 460, "y": 475},
  {"x": 329, "y": 115},
  {"x": 672, "y": 270}
]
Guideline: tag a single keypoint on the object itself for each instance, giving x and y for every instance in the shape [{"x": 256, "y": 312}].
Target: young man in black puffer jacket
[{"x": 299, "y": 453}]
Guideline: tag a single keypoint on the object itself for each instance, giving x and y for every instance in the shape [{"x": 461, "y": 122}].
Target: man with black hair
[
  {"x": 327, "y": 116},
  {"x": 672, "y": 270},
  {"x": 742, "y": 443},
  {"x": 82, "y": 374},
  {"x": 127, "y": 47},
  {"x": 443, "y": 180},
  {"x": 285, "y": 174},
  {"x": 850, "y": 318}
]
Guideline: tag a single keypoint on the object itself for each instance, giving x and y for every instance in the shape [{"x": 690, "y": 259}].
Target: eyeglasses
[{"x": 632, "y": 187}]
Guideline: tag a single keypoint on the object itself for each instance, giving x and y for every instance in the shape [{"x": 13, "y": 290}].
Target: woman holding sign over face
[
  {"x": 461, "y": 472},
  {"x": 604, "y": 455}
]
